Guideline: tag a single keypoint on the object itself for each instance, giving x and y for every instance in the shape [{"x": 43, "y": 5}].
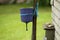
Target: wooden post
[
  {"x": 49, "y": 31},
  {"x": 34, "y": 22}
]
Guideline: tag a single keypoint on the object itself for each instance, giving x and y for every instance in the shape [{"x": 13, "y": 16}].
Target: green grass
[{"x": 11, "y": 27}]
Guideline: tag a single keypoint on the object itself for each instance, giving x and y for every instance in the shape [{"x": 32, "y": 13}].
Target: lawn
[{"x": 11, "y": 27}]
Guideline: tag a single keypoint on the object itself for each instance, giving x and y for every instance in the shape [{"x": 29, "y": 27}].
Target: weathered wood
[
  {"x": 58, "y": 1},
  {"x": 57, "y": 29},
  {"x": 50, "y": 31},
  {"x": 56, "y": 18},
  {"x": 57, "y": 36},
  {"x": 50, "y": 34},
  {"x": 56, "y": 12},
  {"x": 57, "y": 4}
]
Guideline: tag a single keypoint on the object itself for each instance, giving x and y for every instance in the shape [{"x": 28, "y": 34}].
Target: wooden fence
[{"x": 56, "y": 17}]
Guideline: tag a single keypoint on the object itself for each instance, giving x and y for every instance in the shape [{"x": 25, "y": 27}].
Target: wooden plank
[
  {"x": 57, "y": 36},
  {"x": 57, "y": 4},
  {"x": 57, "y": 28},
  {"x": 58, "y": 1},
  {"x": 56, "y": 16},
  {"x": 56, "y": 19},
  {"x": 56, "y": 12},
  {"x": 57, "y": 33}
]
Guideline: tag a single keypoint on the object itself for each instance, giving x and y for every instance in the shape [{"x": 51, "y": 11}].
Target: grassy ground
[{"x": 11, "y": 27}]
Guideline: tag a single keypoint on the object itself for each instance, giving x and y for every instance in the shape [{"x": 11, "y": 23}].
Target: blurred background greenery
[
  {"x": 41, "y": 2},
  {"x": 11, "y": 27}
]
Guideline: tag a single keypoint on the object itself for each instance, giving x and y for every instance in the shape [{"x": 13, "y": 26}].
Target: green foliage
[{"x": 44, "y": 2}]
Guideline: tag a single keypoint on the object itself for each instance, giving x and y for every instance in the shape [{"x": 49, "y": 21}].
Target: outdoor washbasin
[{"x": 26, "y": 14}]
